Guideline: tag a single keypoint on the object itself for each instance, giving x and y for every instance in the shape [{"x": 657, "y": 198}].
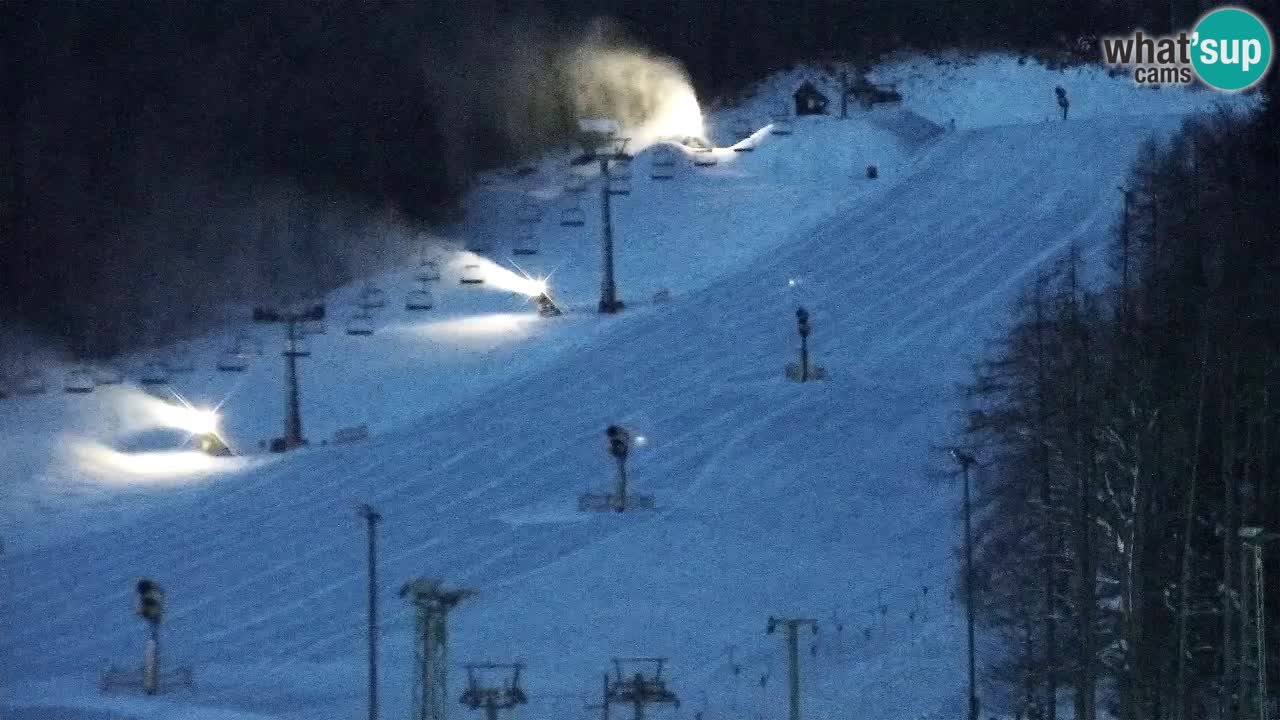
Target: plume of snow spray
[{"x": 650, "y": 96}]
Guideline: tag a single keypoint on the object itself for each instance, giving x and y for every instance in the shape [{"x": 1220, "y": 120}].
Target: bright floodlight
[
  {"x": 197, "y": 421},
  {"x": 496, "y": 276}
]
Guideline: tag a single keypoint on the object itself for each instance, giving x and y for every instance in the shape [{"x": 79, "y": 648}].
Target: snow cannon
[{"x": 546, "y": 306}]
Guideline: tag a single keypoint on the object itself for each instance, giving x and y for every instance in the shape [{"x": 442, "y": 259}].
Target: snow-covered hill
[{"x": 821, "y": 500}]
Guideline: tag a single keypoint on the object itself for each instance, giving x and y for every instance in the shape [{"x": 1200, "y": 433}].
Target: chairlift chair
[
  {"x": 429, "y": 270},
  {"x": 471, "y": 275},
  {"x": 575, "y": 184},
  {"x": 620, "y": 185},
  {"x": 361, "y": 323},
  {"x": 313, "y": 327},
  {"x": 154, "y": 373},
  {"x": 180, "y": 362},
  {"x": 247, "y": 346},
  {"x": 526, "y": 243},
  {"x": 573, "y": 217},
  {"x": 297, "y": 347},
  {"x": 620, "y": 169},
  {"x": 31, "y": 382},
  {"x": 664, "y": 165},
  {"x": 107, "y": 375},
  {"x": 372, "y": 298},
  {"x": 781, "y": 120},
  {"x": 704, "y": 159},
  {"x": 232, "y": 361},
  {"x": 419, "y": 299},
  {"x": 529, "y": 213},
  {"x": 78, "y": 382}
]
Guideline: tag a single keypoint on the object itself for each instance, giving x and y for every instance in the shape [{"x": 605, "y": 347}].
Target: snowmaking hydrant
[
  {"x": 619, "y": 444},
  {"x": 804, "y": 371}
]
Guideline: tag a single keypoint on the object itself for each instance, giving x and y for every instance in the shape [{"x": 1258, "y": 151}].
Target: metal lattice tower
[{"x": 432, "y": 603}]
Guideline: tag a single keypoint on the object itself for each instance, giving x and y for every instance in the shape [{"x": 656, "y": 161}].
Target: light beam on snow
[
  {"x": 100, "y": 460},
  {"x": 480, "y": 333}
]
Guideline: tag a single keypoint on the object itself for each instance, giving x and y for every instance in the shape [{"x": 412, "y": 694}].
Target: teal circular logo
[{"x": 1231, "y": 49}]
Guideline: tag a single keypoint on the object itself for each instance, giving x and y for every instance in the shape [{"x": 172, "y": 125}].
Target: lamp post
[
  {"x": 967, "y": 460},
  {"x": 372, "y": 518}
]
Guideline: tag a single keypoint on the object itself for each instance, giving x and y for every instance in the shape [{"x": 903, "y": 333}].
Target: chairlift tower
[
  {"x": 1254, "y": 701},
  {"x": 638, "y": 689},
  {"x": 293, "y": 350},
  {"x": 492, "y": 698},
  {"x": 432, "y": 603},
  {"x": 601, "y": 141},
  {"x": 793, "y": 626}
]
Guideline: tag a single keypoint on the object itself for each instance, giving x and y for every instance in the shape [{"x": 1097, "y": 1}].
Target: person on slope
[{"x": 1062, "y": 100}]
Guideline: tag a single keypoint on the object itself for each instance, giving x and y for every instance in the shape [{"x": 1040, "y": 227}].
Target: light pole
[
  {"x": 967, "y": 460},
  {"x": 372, "y": 518},
  {"x": 793, "y": 657}
]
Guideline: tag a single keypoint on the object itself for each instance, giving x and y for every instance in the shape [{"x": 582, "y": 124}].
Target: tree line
[{"x": 1129, "y": 431}]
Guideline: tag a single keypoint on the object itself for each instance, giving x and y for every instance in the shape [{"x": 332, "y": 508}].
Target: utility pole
[
  {"x": 372, "y": 518},
  {"x": 293, "y": 350},
  {"x": 966, "y": 461},
  {"x": 432, "y": 603},
  {"x": 1253, "y": 623},
  {"x": 792, "y": 626}
]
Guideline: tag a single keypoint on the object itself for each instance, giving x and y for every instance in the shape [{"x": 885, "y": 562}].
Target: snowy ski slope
[{"x": 820, "y": 500}]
